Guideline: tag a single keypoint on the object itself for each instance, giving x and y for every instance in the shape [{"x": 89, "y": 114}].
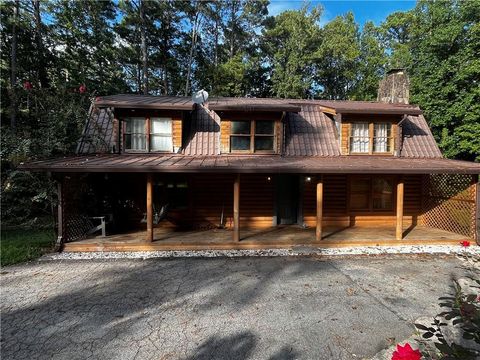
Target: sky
[{"x": 376, "y": 11}]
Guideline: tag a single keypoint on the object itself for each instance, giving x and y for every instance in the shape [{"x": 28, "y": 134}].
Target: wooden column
[
  {"x": 318, "y": 230},
  {"x": 399, "y": 229},
  {"x": 236, "y": 208},
  {"x": 149, "y": 208},
  {"x": 60, "y": 214}
]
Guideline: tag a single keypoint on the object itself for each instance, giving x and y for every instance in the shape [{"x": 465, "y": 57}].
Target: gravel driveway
[{"x": 244, "y": 308}]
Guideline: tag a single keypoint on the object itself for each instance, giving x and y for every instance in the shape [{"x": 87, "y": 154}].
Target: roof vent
[{"x": 394, "y": 88}]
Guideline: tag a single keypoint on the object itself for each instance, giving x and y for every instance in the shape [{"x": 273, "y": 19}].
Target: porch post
[
  {"x": 400, "y": 190},
  {"x": 318, "y": 230},
  {"x": 236, "y": 208},
  {"x": 149, "y": 208},
  {"x": 60, "y": 213}
]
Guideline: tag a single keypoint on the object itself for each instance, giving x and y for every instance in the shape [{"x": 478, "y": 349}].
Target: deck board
[{"x": 275, "y": 237}]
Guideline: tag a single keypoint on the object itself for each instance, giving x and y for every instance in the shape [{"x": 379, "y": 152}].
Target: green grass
[{"x": 23, "y": 245}]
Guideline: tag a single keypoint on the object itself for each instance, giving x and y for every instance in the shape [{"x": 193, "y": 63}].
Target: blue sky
[{"x": 376, "y": 11}]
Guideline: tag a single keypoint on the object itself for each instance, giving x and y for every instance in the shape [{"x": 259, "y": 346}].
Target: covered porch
[
  {"x": 283, "y": 236},
  {"x": 235, "y": 202}
]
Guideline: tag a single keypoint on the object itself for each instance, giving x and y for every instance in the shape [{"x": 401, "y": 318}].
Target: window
[
  {"x": 171, "y": 193},
  {"x": 381, "y": 138},
  {"x": 252, "y": 136},
  {"x": 368, "y": 138},
  {"x": 359, "y": 138},
  {"x": 161, "y": 134},
  {"x": 371, "y": 193},
  {"x": 159, "y": 138},
  {"x": 135, "y": 137}
]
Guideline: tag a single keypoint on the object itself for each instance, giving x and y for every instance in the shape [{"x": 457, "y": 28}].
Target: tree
[
  {"x": 372, "y": 63},
  {"x": 445, "y": 51},
  {"x": 339, "y": 57},
  {"x": 289, "y": 42}
]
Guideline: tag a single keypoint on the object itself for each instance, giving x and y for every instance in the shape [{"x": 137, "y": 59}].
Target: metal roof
[
  {"x": 136, "y": 101},
  {"x": 418, "y": 141},
  {"x": 202, "y": 133},
  {"x": 253, "y": 164},
  {"x": 310, "y": 133}
]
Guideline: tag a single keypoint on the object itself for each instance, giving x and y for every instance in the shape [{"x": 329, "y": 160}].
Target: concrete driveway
[{"x": 244, "y": 308}]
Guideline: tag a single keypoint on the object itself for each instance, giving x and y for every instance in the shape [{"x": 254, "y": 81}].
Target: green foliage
[
  {"x": 290, "y": 41},
  {"x": 439, "y": 43},
  {"x": 23, "y": 245},
  {"x": 461, "y": 312},
  {"x": 339, "y": 57},
  {"x": 372, "y": 64}
]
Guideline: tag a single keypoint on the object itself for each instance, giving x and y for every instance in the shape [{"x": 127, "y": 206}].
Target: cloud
[{"x": 279, "y": 6}]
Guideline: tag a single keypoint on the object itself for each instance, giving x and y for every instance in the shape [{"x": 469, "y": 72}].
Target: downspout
[
  {"x": 282, "y": 148},
  {"x": 400, "y": 135}
]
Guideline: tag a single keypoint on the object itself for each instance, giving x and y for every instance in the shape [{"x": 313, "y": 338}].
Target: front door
[{"x": 287, "y": 199}]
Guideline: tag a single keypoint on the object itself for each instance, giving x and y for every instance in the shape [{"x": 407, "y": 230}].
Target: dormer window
[
  {"x": 148, "y": 134},
  {"x": 161, "y": 134},
  {"x": 370, "y": 138},
  {"x": 252, "y": 136},
  {"x": 135, "y": 136}
]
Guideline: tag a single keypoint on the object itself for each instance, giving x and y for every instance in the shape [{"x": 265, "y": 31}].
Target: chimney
[{"x": 394, "y": 88}]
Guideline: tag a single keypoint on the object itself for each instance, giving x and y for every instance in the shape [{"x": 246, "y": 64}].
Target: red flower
[
  {"x": 27, "y": 85},
  {"x": 465, "y": 243},
  {"x": 406, "y": 353},
  {"x": 82, "y": 89}
]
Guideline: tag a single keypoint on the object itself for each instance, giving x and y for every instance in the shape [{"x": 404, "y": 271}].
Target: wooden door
[{"x": 287, "y": 187}]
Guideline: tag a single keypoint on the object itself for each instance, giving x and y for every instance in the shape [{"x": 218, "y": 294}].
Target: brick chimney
[{"x": 394, "y": 88}]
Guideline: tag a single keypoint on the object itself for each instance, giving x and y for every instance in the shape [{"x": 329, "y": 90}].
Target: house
[{"x": 159, "y": 172}]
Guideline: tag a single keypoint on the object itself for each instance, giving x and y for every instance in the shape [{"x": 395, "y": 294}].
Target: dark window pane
[
  {"x": 360, "y": 185},
  {"x": 264, "y": 127},
  {"x": 240, "y": 127},
  {"x": 240, "y": 143},
  {"x": 263, "y": 143},
  {"x": 382, "y": 194},
  {"x": 382, "y": 201},
  {"x": 382, "y": 185},
  {"x": 359, "y": 201},
  {"x": 128, "y": 141}
]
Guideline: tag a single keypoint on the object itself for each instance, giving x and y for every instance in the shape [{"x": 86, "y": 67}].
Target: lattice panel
[
  {"x": 76, "y": 223},
  {"x": 449, "y": 203}
]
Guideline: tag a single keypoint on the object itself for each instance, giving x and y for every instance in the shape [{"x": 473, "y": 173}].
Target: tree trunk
[
  {"x": 196, "y": 24},
  {"x": 143, "y": 37},
  {"x": 41, "y": 73},
  {"x": 232, "y": 29},
  {"x": 13, "y": 69}
]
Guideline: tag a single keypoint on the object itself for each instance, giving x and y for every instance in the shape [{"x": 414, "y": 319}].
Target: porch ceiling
[{"x": 252, "y": 164}]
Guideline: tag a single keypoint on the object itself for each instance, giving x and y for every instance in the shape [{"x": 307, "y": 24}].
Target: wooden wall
[
  {"x": 177, "y": 134},
  {"x": 225, "y": 127},
  {"x": 336, "y": 210},
  {"x": 210, "y": 194}
]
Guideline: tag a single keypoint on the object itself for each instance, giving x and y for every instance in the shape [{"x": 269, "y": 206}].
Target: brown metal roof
[
  {"x": 253, "y": 164},
  {"x": 135, "y": 101},
  {"x": 418, "y": 141},
  {"x": 310, "y": 133},
  {"x": 251, "y": 104},
  {"x": 365, "y": 107},
  {"x": 98, "y": 134},
  {"x": 202, "y": 133}
]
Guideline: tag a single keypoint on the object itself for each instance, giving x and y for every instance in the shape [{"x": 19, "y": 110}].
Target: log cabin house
[{"x": 159, "y": 172}]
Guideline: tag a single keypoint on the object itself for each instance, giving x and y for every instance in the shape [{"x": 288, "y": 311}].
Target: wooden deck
[{"x": 275, "y": 237}]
